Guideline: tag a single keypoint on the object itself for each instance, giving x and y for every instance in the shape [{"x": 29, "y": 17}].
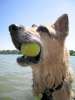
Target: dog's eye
[
  {"x": 42, "y": 29},
  {"x": 34, "y": 25},
  {"x": 21, "y": 27}
]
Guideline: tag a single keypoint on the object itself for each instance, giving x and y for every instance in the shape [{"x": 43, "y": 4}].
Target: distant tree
[
  {"x": 9, "y": 52},
  {"x": 72, "y": 52}
]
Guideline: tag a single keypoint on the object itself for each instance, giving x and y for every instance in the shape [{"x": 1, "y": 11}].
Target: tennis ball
[{"x": 30, "y": 49}]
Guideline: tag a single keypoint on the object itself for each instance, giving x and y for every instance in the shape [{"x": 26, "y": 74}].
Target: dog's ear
[{"x": 62, "y": 25}]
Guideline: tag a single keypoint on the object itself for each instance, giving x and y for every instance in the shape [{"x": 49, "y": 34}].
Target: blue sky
[{"x": 27, "y": 12}]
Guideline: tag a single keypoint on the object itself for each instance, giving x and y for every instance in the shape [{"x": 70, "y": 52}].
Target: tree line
[
  {"x": 9, "y": 52},
  {"x": 72, "y": 52}
]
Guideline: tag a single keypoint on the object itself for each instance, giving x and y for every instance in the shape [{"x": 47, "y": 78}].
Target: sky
[{"x": 28, "y": 12}]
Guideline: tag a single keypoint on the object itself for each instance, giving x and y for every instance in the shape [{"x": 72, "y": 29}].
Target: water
[{"x": 16, "y": 81}]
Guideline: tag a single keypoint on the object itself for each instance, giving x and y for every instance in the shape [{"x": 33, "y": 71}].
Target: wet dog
[{"x": 51, "y": 75}]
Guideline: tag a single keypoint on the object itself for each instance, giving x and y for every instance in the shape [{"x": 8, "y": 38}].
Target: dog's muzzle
[{"x": 20, "y": 36}]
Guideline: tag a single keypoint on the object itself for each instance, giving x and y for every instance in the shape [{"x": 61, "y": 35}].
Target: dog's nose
[{"x": 13, "y": 27}]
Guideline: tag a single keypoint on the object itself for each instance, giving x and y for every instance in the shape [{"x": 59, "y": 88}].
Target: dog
[{"x": 52, "y": 77}]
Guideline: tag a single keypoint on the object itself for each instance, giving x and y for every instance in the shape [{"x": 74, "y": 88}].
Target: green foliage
[
  {"x": 72, "y": 52},
  {"x": 9, "y": 52}
]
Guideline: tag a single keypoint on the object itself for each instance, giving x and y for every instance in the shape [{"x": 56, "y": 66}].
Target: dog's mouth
[
  {"x": 29, "y": 60},
  {"x": 25, "y": 60}
]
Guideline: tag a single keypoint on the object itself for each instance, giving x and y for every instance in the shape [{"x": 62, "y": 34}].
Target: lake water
[{"x": 16, "y": 81}]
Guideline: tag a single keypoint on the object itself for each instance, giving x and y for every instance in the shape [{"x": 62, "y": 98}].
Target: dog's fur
[
  {"x": 55, "y": 63},
  {"x": 54, "y": 67}
]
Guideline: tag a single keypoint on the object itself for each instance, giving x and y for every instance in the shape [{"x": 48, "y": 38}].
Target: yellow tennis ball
[{"x": 30, "y": 49}]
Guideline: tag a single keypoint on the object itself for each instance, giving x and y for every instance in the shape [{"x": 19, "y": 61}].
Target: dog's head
[{"x": 50, "y": 38}]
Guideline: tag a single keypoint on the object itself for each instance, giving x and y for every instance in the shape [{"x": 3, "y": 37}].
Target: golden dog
[{"x": 51, "y": 71}]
